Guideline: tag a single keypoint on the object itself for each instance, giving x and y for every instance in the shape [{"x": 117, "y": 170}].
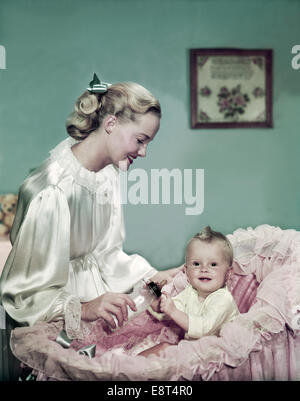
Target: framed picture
[{"x": 231, "y": 88}]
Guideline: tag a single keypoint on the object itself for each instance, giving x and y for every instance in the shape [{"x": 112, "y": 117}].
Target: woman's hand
[{"x": 106, "y": 306}]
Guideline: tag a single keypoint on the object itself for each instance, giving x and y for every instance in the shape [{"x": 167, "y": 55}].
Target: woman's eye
[{"x": 140, "y": 142}]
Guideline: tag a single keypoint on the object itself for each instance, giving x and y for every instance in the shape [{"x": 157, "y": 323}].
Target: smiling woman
[
  {"x": 67, "y": 261},
  {"x": 117, "y": 125},
  {"x": 125, "y": 142},
  {"x": 116, "y": 142}
]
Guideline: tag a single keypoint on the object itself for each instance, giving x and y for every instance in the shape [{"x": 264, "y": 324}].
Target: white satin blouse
[{"x": 67, "y": 242}]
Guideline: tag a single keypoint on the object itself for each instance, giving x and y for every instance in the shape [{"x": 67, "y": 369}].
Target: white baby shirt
[{"x": 206, "y": 315}]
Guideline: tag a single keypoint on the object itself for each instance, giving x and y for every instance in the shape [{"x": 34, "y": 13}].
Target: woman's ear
[{"x": 109, "y": 123}]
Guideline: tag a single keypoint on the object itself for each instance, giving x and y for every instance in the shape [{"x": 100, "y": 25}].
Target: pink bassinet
[{"x": 263, "y": 343}]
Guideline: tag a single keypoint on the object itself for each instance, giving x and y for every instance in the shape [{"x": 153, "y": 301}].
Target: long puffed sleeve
[
  {"x": 121, "y": 271},
  {"x": 38, "y": 266}
]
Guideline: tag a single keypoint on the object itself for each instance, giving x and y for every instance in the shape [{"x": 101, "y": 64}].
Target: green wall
[{"x": 53, "y": 48}]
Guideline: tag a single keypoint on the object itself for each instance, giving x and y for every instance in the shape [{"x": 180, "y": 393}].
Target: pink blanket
[{"x": 262, "y": 343}]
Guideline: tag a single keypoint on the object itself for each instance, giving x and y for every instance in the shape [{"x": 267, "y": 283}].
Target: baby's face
[{"x": 206, "y": 266}]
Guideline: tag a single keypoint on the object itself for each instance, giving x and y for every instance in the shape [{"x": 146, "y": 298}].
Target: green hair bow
[{"x": 96, "y": 86}]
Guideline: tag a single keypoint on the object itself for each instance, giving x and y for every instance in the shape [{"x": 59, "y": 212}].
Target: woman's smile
[{"x": 131, "y": 158}]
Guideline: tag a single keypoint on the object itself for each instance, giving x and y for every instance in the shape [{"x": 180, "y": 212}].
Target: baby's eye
[
  {"x": 213, "y": 264},
  {"x": 139, "y": 142},
  {"x": 196, "y": 263}
]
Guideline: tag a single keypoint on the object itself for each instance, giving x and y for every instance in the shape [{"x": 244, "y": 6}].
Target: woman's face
[{"x": 129, "y": 140}]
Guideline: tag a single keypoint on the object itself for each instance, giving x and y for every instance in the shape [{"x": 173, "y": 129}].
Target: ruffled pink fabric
[
  {"x": 262, "y": 343},
  {"x": 143, "y": 328}
]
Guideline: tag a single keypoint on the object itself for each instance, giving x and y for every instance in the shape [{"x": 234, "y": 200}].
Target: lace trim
[
  {"x": 72, "y": 311},
  {"x": 91, "y": 180},
  {"x": 296, "y": 318}
]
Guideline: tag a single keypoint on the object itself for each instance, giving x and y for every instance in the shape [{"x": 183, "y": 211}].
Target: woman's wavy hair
[{"x": 125, "y": 100}]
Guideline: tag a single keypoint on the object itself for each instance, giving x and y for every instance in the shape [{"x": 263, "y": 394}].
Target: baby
[
  {"x": 200, "y": 309},
  {"x": 205, "y": 304}
]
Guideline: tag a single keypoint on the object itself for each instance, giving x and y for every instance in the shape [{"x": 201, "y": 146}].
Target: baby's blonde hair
[
  {"x": 209, "y": 235},
  {"x": 125, "y": 100}
]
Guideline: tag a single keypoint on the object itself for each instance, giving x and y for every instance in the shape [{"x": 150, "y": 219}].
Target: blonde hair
[
  {"x": 124, "y": 100},
  {"x": 209, "y": 235}
]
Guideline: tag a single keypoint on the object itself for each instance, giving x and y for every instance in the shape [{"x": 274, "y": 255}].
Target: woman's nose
[{"x": 142, "y": 151}]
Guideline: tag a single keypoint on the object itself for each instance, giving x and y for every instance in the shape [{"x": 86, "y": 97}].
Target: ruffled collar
[{"x": 91, "y": 180}]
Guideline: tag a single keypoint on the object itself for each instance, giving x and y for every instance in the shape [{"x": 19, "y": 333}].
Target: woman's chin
[{"x": 124, "y": 165}]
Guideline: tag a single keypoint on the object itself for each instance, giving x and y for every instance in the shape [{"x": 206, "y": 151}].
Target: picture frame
[{"x": 231, "y": 88}]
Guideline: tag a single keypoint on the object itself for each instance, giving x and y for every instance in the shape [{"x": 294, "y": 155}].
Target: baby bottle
[{"x": 143, "y": 294}]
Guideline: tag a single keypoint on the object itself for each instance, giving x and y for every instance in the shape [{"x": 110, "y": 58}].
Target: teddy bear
[{"x": 8, "y": 206}]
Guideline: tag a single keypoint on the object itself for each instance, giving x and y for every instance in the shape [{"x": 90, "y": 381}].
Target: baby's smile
[{"x": 204, "y": 278}]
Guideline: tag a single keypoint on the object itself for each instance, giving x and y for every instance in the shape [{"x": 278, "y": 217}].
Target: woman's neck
[{"x": 91, "y": 152}]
